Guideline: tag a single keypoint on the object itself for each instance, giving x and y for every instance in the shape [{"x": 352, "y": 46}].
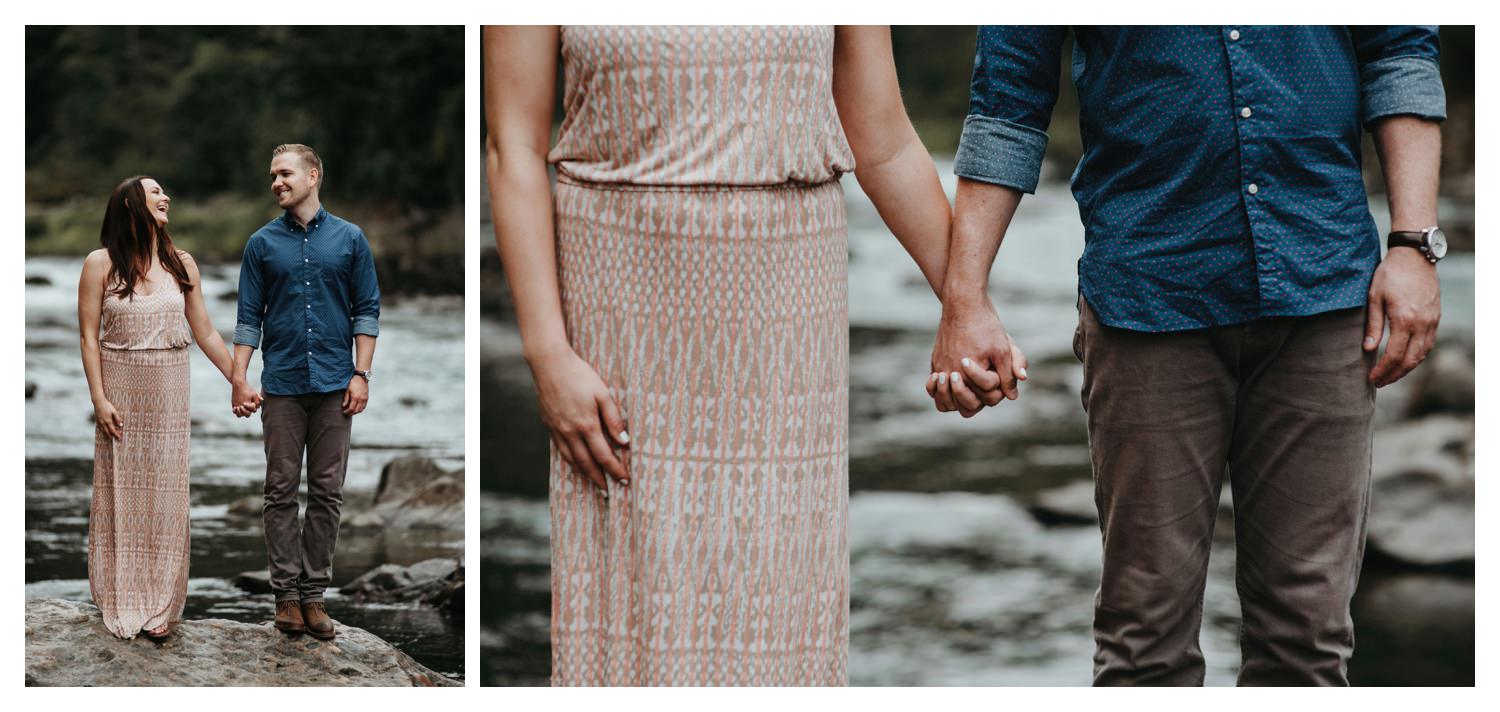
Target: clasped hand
[
  {"x": 244, "y": 400},
  {"x": 974, "y": 361}
]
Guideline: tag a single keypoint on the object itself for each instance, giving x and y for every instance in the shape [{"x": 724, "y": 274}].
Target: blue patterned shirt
[
  {"x": 1220, "y": 180},
  {"x": 304, "y": 294}
]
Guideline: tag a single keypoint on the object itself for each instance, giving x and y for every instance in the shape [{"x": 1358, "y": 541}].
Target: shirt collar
[{"x": 291, "y": 220}]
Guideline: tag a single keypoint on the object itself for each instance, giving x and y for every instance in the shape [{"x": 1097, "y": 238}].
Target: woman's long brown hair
[{"x": 127, "y": 234}]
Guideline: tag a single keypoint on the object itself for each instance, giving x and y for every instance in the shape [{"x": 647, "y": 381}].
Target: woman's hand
[
  {"x": 582, "y": 416},
  {"x": 109, "y": 418}
]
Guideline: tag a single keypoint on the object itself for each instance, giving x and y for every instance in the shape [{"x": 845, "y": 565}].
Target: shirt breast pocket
[{"x": 341, "y": 263}]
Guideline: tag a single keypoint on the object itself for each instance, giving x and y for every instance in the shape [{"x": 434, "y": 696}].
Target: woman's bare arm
[
  {"x": 90, "y": 306},
  {"x": 891, "y": 164},
  {"x": 520, "y": 76},
  {"x": 204, "y": 333}
]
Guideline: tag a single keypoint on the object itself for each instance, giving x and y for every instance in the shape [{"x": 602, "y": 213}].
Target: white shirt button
[
  {"x": 1234, "y": 35},
  {"x": 1253, "y": 188},
  {"x": 1245, "y": 112}
]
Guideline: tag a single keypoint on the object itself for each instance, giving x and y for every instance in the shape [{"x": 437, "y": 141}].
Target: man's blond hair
[{"x": 310, "y": 157}]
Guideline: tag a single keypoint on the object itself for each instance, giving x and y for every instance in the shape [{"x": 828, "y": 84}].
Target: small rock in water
[
  {"x": 247, "y": 506},
  {"x": 1071, "y": 504},
  {"x": 254, "y": 581}
]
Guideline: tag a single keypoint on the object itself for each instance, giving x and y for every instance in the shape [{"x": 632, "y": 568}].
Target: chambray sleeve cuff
[
  {"x": 1408, "y": 86},
  {"x": 1001, "y": 152},
  {"x": 247, "y": 335},
  {"x": 367, "y": 325}
]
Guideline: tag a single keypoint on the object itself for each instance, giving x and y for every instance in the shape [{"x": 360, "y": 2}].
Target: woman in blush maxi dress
[{"x": 701, "y": 257}]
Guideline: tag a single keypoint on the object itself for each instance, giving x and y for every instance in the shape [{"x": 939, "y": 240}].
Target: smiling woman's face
[{"x": 157, "y": 201}]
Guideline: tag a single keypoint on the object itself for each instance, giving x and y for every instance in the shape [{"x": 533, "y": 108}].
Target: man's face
[{"x": 291, "y": 180}]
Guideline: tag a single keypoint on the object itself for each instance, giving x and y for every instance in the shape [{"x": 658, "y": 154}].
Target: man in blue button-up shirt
[
  {"x": 1232, "y": 298},
  {"x": 307, "y": 289}
]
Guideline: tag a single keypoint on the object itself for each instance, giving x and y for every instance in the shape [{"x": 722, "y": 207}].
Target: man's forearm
[
  {"x": 1410, "y": 151},
  {"x": 242, "y": 354},
  {"x": 364, "y": 351},
  {"x": 981, "y": 215}
]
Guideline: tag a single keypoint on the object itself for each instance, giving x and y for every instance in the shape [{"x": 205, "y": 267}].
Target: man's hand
[
  {"x": 243, "y": 399},
  {"x": 356, "y": 395},
  {"x": 975, "y": 363},
  {"x": 1404, "y": 294}
]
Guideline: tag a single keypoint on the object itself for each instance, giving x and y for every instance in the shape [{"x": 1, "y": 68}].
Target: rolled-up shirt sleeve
[
  {"x": 1015, "y": 84},
  {"x": 364, "y": 309},
  {"x": 1398, "y": 72},
  {"x": 250, "y": 314}
]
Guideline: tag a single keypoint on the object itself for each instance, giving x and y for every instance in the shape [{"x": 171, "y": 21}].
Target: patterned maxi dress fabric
[
  {"x": 138, "y": 521},
  {"x": 702, "y": 251}
]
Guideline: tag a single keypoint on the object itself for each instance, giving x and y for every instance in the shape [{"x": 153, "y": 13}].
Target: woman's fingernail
[
  {"x": 966, "y": 363},
  {"x": 1023, "y": 373},
  {"x": 624, "y": 436},
  {"x": 942, "y": 378},
  {"x": 955, "y": 378},
  {"x": 1369, "y": 342},
  {"x": 624, "y": 483},
  {"x": 604, "y": 493}
]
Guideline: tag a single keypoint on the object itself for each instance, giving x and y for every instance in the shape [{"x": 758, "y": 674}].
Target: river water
[
  {"x": 954, "y": 578},
  {"x": 416, "y": 407}
]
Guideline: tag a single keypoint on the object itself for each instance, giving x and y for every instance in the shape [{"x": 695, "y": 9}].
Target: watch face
[{"x": 1437, "y": 243}]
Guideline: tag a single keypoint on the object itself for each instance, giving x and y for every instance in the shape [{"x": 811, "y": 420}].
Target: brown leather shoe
[
  {"x": 289, "y": 617},
  {"x": 319, "y": 625}
]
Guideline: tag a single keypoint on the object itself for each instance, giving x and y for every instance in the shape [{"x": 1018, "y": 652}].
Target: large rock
[
  {"x": 1444, "y": 383},
  {"x": 1422, "y": 494},
  {"x": 414, "y": 493},
  {"x": 67, "y": 645},
  {"x": 434, "y": 582}
]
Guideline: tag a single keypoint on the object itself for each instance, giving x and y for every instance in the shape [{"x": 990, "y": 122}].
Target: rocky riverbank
[{"x": 67, "y": 645}]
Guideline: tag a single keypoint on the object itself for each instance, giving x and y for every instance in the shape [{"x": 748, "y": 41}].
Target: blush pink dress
[
  {"x": 702, "y": 250},
  {"x": 138, "y": 519}
]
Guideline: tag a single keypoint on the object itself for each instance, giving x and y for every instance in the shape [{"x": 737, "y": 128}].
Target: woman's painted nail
[
  {"x": 955, "y": 378},
  {"x": 942, "y": 378},
  {"x": 1369, "y": 343},
  {"x": 624, "y": 437},
  {"x": 1023, "y": 373},
  {"x": 624, "y": 483},
  {"x": 966, "y": 363}
]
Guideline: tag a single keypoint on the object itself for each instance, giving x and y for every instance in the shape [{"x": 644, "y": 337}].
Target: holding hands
[
  {"x": 974, "y": 361},
  {"x": 244, "y": 400}
]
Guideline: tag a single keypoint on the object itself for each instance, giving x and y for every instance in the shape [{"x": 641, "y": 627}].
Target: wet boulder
[
  {"x": 432, "y": 582},
  {"x": 415, "y": 493},
  {"x": 1422, "y": 494}
]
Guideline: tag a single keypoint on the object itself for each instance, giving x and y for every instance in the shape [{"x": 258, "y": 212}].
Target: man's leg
[
  {"x": 1160, "y": 410},
  {"x": 327, "y": 460},
  {"x": 284, "y": 423},
  {"x": 1300, "y": 471}
]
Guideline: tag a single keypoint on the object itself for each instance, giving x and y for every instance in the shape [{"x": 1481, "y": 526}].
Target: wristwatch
[
  {"x": 1431, "y": 241},
  {"x": 364, "y": 374}
]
